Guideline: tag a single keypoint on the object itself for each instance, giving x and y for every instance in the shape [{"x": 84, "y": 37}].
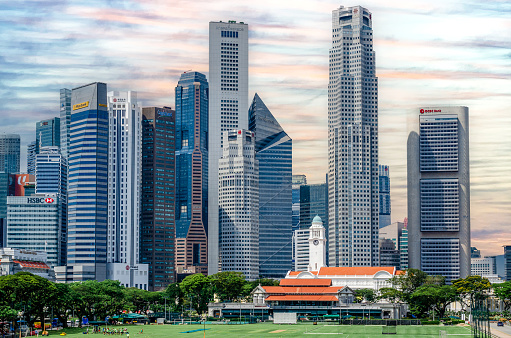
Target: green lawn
[{"x": 272, "y": 330}]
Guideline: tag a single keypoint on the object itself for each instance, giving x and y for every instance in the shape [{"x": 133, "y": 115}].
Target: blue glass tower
[
  {"x": 65, "y": 120},
  {"x": 47, "y": 133},
  {"x": 384, "y": 181},
  {"x": 274, "y": 153},
  {"x": 88, "y": 183},
  {"x": 192, "y": 95}
]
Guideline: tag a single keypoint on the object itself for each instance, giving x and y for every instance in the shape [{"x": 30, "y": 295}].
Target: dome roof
[{"x": 317, "y": 219}]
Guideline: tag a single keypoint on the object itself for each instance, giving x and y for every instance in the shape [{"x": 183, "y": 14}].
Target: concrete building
[
  {"x": 13, "y": 261},
  {"x": 157, "y": 247},
  {"x": 10, "y": 153},
  {"x": 384, "y": 181},
  {"x": 353, "y": 190},
  {"x": 33, "y": 223},
  {"x": 192, "y": 156},
  {"x": 301, "y": 249},
  {"x": 485, "y": 267},
  {"x": 274, "y": 153},
  {"x": 124, "y": 190},
  {"x": 439, "y": 192},
  {"x": 238, "y": 200},
  {"x": 228, "y": 104}
]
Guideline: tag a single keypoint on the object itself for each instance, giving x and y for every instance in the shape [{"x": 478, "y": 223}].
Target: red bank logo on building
[
  {"x": 49, "y": 200},
  {"x": 422, "y": 111}
]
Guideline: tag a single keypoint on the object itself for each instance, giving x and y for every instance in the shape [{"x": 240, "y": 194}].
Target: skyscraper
[
  {"x": 238, "y": 200},
  {"x": 124, "y": 190},
  {"x": 352, "y": 141},
  {"x": 157, "y": 248},
  {"x": 298, "y": 181},
  {"x": 192, "y": 173},
  {"x": 384, "y": 181},
  {"x": 228, "y": 104},
  {"x": 65, "y": 120},
  {"x": 31, "y": 154},
  {"x": 507, "y": 262},
  {"x": 47, "y": 133},
  {"x": 10, "y": 153},
  {"x": 88, "y": 183},
  {"x": 439, "y": 192},
  {"x": 274, "y": 153},
  {"x": 313, "y": 202}
]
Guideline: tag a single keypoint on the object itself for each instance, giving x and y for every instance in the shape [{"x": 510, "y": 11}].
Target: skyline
[{"x": 427, "y": 53}]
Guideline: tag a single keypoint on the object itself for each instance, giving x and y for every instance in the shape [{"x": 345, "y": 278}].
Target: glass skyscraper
[
  {"x": 192, "y": 95},
  {"x": 65, "y": 120},
  {"x": 384, "y": 181},
  {"x": 31, "y": 154},
  {"x": 10, "y": 153},
  {"x": 352, "y": 141},
  {"x": 47, "y": 133},
  {"x": 274, "y": 153}
]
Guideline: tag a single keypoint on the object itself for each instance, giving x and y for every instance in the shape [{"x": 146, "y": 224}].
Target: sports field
[{"x": 272, "y": 330}]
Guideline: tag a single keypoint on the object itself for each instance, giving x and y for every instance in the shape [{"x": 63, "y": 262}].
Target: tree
[
  {"x": 434, "y": 297},
  {"x": 364, "y": 295},
  {"x": 503, "y": 292},
  {"x": 228, "y": 285},
  {"x": 471, "y": 288},
  {"x": 391, "y": 295},
  {"x": 198, "y": 288},
  {"x": 408, "y": 282},
  {"x": 61, "y": 302},
  {"x": 175, "y": 295}
]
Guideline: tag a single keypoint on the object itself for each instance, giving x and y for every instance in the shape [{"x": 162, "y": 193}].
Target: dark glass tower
[
  {"x": 47, "y": 133},
  {"x": 192, "y": 95},
  {"x": 274, "y": 153},
  {"x": 157, "y": 247}
]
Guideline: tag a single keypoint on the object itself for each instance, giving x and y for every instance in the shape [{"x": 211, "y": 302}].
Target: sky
[{"x": 428, "y": 53}]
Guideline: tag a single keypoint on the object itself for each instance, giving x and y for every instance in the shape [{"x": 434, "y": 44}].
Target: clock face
[{"x": 315, "y": 242}]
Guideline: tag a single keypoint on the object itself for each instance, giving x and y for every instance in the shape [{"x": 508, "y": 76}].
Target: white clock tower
[{"x": 317, "y": 245}]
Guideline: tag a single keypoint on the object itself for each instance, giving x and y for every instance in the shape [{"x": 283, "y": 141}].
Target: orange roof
[
  {"x": 305, "y": 282},
  {"x": 355, "y": 270},
  {"x": 37, "y": 265},
  {"x": 296, "y": 273},
  {"x": 302, "y": 289},
  {"x": 303, "y": 297},
  {"x": 400, "y": 272}
]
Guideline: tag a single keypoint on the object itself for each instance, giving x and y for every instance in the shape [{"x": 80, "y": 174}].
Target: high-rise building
[
  {"x": 274, "y": 153},
  {"x": 439, "y": 192},
  {"x": 157, "y": 248},
  {"x": 384, "y": 181},
  {"x": 228, "y": 104},
  {"x": 33, "y": 224},
  {"x": 4, "y": 192},
  {"x": 390, "y": 244},
  {"x": 507, "y": 262},
  {"x": 314, "y": 202},
  {"x": 474, "y": 252},
  {"x": 298, "y": 181},
  {"x": 403, "y": 249},
  {"x": 87, "y": 184},
  {"x": 192, "y": 173},
  {"x": 124, "y": 190},
  {"x": 352, "y": 141},
  {"x": 51, "y": 178},
  {"x": 238, "y": 200},
  {"x": 65, "y": 120},
  {"x": 301, "y": 249},
  {"x": 47, "y": 133},
  {"x": 31, "y": 154},
  {"x": 10, "y": 153}
]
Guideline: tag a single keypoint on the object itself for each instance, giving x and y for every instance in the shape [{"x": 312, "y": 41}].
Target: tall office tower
[
  {"x": 352, "y": 141},
  {"x": 390, "y": 244},
  {"x": 314, "y": 202},
  {"x": 275, "y": 156},
  {"x": 51, "y": 178},
  {"x": 507, "y": 262},
  {"x": 10, "y": 153},
  {"x": 474, "y": 252},
  {"x": 124, "y": 190},
  {"x": 47, "y": 133},
  {"x": 4, "y": 192},
  {"x": 384, "y": 181},
  {"x": 192, "y": 173},
  {"x": 31, "y": 154},
  {"x": 301, "y": 249},
  {"x": 157, "y": 247},
  {"x": 403, "y": 250},
  {"x": 228, "y": 104},
  {"x": 238, "y": 200},
  {"x": 65, "y": 121},
  {"x": 88, "y": 183},
  {"x": 297, "y": 181},
  {"x": 439, "y": 192}
]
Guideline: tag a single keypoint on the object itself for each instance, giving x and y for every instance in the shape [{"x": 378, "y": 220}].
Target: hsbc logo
[{"x": 49, "y": 200}]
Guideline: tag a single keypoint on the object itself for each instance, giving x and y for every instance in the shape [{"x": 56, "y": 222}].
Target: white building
[
  {"x": 13, "y": 261},
  {"x": 301, "y": 249},
  {"x": 317, "y": 245},
  {"x": 124, "y": 190},
  {"x": 439, "y": 191},
  {"x": 353, "y": 190},
  {"x": 485, "y": 267},
  {"x": 238, "y": 200},
  {"x": 228, "y": 109}
]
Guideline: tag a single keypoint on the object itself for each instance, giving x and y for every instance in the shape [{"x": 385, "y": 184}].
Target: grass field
[{"x": 272, "y": 330}]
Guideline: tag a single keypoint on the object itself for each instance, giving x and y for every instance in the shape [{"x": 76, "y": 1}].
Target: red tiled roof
[
  {"x": 296, "y": 273},
  {"x": 355, "y": 270},
  {"x": 305, "y": 282},
  {"x": 302, "y": 289},
  {"x": 400, "y": 272},
  {"x": 36, "y": 265},
  {"x": 320, "y": 298}
]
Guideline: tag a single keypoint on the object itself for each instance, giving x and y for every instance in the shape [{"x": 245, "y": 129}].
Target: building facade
[
  {"x": 228, "y": 104},
  {"x": 10, "y": 153},
  {"x": 65, "y": 120},
  {"x": 33, "y": 223},
  {"x": 192, "y": 96},
  {"x": 47, "y": 133},
  {"x": 157, "y": 248},
  {"x": 353, "y": 141},
  {"x": 314, "y": 201},
  {"x": 439, "y": 192},
  {"x": 507, "y": 262},
  {"x": 384, "y": 182},
  {"x": 13, "y": 261},
  {"x": 124, "y": 190},
  {"x": 298, "y": 181},
  {"x": 274, "y": 153},
  {"x": 301, "y": 249},
  {"x": 87, "y": 184},
  {"x": 31, "y": 154},
  {"x": 238, "y": 200}
]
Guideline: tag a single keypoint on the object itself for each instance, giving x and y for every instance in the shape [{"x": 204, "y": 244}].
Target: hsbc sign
[{"x": 40, "y": 200}]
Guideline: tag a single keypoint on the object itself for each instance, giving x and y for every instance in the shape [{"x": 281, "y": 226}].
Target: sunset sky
[{"x": 427, "y": 53}]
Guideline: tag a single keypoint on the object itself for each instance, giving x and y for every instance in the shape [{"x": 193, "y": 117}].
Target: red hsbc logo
[{"x": 49, "y": 200}]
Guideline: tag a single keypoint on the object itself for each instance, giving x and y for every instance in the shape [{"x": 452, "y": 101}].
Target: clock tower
[{"x": 317, "y": 245}]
